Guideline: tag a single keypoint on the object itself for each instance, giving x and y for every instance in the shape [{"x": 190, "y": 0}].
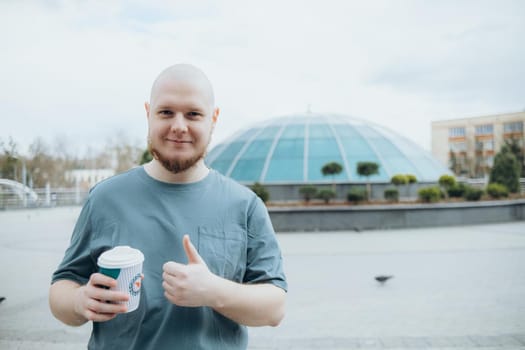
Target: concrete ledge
[{"x": 394, "y": 216}]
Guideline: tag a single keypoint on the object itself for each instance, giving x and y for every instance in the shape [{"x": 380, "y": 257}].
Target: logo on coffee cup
[{"x": 134, "y": 285}]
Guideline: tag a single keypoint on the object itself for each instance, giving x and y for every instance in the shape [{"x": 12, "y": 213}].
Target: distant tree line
[{"x": 48, "y": 163}]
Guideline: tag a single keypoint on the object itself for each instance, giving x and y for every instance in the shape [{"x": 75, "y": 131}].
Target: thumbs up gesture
[{"x": 191, "y": 284}]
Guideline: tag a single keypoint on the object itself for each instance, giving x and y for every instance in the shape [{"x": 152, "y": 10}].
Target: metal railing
[{"x": 9, "y": 199}]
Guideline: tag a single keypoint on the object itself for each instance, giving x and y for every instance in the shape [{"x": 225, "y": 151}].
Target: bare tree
[
  {"x": 123, "y": 152},
  {"x": 9, "y": 160},
  {"x": 41, "y": 165}
]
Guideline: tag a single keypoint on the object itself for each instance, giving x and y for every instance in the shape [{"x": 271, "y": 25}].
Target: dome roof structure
[{"x": 293, "y": 149}]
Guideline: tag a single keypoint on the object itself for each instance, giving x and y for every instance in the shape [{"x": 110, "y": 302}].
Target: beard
[{"x": 176, "y": 166}]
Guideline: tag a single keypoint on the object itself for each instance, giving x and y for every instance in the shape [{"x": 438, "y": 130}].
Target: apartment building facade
[{"x": 467, "y": 146}]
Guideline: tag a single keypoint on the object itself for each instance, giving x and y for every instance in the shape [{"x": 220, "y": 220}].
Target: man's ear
[
  {"x": 146, "y": 106},
  {"x": 215, "y": 115}
]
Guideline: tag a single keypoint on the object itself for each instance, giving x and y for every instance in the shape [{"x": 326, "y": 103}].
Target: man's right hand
[{"x": 96, "y": 302}]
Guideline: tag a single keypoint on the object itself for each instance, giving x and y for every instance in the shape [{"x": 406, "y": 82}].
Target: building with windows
[{"x": 468, "y": 145}]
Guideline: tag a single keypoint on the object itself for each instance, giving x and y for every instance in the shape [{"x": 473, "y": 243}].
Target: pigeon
[
  {"x": 383, "y": 278},
  {"x": 2, "y": 299}
]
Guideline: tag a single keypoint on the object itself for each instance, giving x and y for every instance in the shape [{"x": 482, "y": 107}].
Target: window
[
  {"x": 485, "y": 129},
  {"x": 490, "y": 161},
  {"x": 513, "y": 127},
  {"x": 456, "y": 132},
  {"x": 513, "y": 139},
  {"x": 458, "y": 146},
  {"x": 485, "y": 145}
]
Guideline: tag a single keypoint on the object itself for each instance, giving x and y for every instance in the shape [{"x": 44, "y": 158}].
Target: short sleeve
[
  {"x": 264, "y": 258},
  {"x": 79, "y": 260}
]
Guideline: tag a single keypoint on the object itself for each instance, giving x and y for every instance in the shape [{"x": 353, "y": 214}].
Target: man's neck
[{"x": 193, "y": 174}]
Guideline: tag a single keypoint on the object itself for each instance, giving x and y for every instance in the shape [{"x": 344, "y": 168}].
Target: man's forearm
[
  {"x": 250, "y": 304},
  {"x": 61, "y": 301}
]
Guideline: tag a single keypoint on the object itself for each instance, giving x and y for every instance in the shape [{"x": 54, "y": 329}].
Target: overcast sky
[{"x": 80, "y": 71}]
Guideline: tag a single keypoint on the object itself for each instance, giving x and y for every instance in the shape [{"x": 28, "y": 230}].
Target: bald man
[{"x": 212, "y": 263}]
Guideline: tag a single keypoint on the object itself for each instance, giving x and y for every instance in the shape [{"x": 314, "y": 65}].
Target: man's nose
[{"x": 179, "y": 123}]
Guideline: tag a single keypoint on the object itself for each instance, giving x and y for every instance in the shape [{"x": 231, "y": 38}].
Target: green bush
[
  {"x": 391, "y": 194},
  {"x": 429, "y": 194},
  {"x": 331, "y": 168},
  {"x": 399, "y": 179},
  {"x": 326, "y": 194},
  {"x": 506, "y": 171},
  {"x": 496, "y": 190},
  {"x": 457, "y": 190},
  {"x": 473, "y": 194},
  {"x": 447, "y": 181},
  {"x": 356, "y": 194},
  {"x": 412, "y": 179},
  {"x": 308, "y": 192},
  {"x": 261, "y": 191},
  {"x": 367, "y": 168}
]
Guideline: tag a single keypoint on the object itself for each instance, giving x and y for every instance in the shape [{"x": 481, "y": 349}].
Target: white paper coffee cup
[{"x": 124, "y": 264}]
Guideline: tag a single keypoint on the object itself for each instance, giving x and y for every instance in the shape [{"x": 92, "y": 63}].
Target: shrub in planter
[
  {"x": 472, "y": 193},
  {"x": 326, "y": 195},
  {"x": 367, "y": 169},
  {"x": 496, "y": 190},
  {"x": 447, "y": 181},
  {"x": 429, "y": 194},
  {"x": 391, "y": 194},
  {"x": 356, "y": 195},
  {"x": 308, "y": 192},
  {"x": 457, "y": 190},
  {"x": 399, "y": 179},
  {"x": 412, "y": 179},
  {"x": 260, "y": 191}
]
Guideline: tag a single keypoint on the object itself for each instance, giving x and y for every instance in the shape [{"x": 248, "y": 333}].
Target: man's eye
[
  {"x": 165, "y": 113},
  {"x": 194, "y": 114}
]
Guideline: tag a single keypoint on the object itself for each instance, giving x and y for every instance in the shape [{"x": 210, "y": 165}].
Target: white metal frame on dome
[
  {"x": 377, "y": 153},
  {"x": 243, "y": 150},
  {"x": 306, "y": 148},
  {"x": 270, "y": 152},
  {"x": 341, "y": 149}
]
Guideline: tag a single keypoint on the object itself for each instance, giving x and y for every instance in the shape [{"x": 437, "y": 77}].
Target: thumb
[{"x": 191, "y": 252}]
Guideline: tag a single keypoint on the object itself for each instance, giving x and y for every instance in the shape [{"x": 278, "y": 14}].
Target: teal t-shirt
[{"x": 228, "y": 224}]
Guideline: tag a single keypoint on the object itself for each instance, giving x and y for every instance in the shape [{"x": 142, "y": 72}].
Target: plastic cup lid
[{"x": 120, "y": 257}]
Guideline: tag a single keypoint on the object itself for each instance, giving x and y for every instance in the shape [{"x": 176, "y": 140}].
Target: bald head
[{"x": 184, "y": 74}]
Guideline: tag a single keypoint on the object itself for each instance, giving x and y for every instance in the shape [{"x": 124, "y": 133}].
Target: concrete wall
[{"x": 370, "y": 217}]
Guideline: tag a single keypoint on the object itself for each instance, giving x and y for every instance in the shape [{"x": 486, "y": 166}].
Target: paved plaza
[{"x": 453, "y": 287}]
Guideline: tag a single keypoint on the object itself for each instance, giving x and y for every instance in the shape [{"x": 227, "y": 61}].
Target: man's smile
[{"x": 177, "y": 141}]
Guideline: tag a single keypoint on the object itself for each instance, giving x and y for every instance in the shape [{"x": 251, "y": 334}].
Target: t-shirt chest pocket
[{"x": 224, "y": 252}]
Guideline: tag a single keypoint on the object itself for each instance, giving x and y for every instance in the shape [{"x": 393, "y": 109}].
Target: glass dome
[{"x": 293, "y": 149}]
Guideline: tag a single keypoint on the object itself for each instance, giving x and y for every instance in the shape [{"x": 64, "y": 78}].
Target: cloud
[
  {"x": 84, "y": 69},
  {"x": 475, "y": 62}
]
